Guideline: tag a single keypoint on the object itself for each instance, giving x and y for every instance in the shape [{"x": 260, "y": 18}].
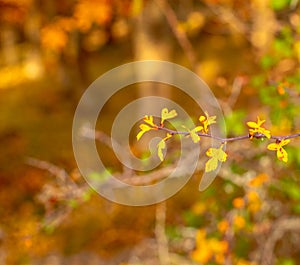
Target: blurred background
[{"x": 248, "y": 52}]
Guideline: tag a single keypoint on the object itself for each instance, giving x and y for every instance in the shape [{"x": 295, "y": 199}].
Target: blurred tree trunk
[
  {"x": 152, "y": 41},
  {"x": 8, "y": 44}
]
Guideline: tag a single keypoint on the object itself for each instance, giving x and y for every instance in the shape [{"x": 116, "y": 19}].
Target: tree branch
[
  {"x": 225, "y": 140},
  {"x": 180, "y": 35},
  {"x": 279, "y": 228}
]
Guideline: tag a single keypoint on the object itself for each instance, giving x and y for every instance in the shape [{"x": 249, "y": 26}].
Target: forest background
[{"x": 248, "y": 52}]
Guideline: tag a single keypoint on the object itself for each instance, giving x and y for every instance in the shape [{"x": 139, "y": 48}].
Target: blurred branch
[
  {"x": 148, "y": 178},
  {"x": 236, "y": 90},
  {"x": 61, "y": 175},
  {"x": 162, "y": 240},
  {"x": 179, "y": 34},
  {"x": 237, "y": 85},
  {"x": 278, "y": 229},
  {"x": 65, "y": 189},
  {"x": 293, "y": 4},
  {"x": 227, "y": 16},
  {"x": 109, "y": 142},
  {"x": 128, "y": 176}
]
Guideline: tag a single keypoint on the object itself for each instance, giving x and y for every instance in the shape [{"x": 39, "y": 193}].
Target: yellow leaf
[
  {"x": 165, "y": 114},
  {"x": 256, "y": 124},
  {"x": 195, "y": 137},
  {"x": 297, "y": 49},
  {"x": 255, "y": 127},
  {"x": 222, "y": 156},
  {"x": 193, "y": 133},
  {"x": 282, "y": 155},
  {"x": 285, "y": 142},
  {"x": 144, "y": 128},
  {"x": 239, "y": 221},
  {"x": 211, "y": 164},
  {"x": 267, "y": 133},
  {"x": 207, "y": 120},
  {"x": 168, "y": 136},
  {"x": 278, "y": 146},
  {"x": 149, "y": 120},
  {"x": 160, "y": 146},
  {"x": 272, "y": 146},
  {"x": 217, "y": 155},
  {"x": 252, "y": 124}
]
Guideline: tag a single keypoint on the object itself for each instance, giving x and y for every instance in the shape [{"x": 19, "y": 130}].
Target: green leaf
[
  {"x": 296, "y": 208},
  {"x": 286, "y": 262},
  {"x": 234, "y": 124},
  {"x": 86, "y": 196},
  {"x": 291, "y": 189},
  {"x": 73, "y": 203},
  {"x": 279, "y": 4},
  {"x": 267, "y": 61},
  {"x": 49, "y": 228},
  {"x": 100, "y": 177}
]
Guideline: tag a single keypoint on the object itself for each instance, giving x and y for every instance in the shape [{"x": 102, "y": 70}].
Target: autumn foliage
[{"x": 249, "y": 54}]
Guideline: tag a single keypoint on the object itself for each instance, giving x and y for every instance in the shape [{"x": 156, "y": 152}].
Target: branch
[
  {"x": 225, "y": 140},
  {"x": 61, "y": 174},
  {"x": 64, "y": 190},
  {"x": 106, "y": 140},
  {"x": 279, "y": 228},
  {"x": 160, "y": 233},
  {"x": 179, "y": 34}
]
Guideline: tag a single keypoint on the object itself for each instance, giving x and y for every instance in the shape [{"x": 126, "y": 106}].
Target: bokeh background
[{"x": 51, "y": 51}]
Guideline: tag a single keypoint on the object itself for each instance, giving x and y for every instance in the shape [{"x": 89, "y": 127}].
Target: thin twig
[
  {"x": 148, "y": 178},
  {"x": 235, "y": 91},
  {"x": 225, "y": 140},
  {"x": 280, "y": 227},
  {"x": 66, "y": 190},
  {"x": 227, "y": 16},
  {"x": 179, "y": 34},
  {"x": 236, "y": 88},
  {"x": 109, "y": 142},
  {"x": 56, "y": 171}
]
